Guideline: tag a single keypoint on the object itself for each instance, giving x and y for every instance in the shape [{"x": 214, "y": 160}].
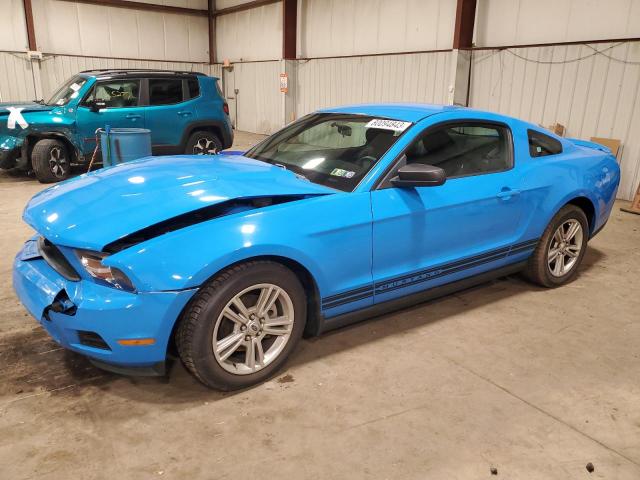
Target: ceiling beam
[
  {"x": 289, "y": 28},
  {"x": 244, "y": 6},
  {"x": 31, "y": 31},
  {"x": 150, "y": 7},
  {"x": 465, "y": 20}
]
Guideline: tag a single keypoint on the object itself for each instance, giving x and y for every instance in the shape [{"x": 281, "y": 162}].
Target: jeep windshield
[
  {"x": 68, "y": 91},
  {"x": 332, "y": 149}
]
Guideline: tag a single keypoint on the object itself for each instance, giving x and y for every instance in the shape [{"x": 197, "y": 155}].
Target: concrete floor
[{"x": 534, "y": 382}]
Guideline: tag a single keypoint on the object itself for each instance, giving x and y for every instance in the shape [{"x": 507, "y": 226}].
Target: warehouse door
[{"x": 230, "y": 92}]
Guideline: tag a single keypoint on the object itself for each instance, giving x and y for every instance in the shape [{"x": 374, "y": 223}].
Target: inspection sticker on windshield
[
  {"x": 395, "y": 125},
  {"x": 338, "y": 172}
]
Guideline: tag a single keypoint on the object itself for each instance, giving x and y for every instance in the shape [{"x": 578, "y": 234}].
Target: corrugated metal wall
[
  {"x": 250, "y": 35},
  {"x": 522, "y": 22},
  {"x": 58, "y": 68},
  {"x": 590, "y": 94},
  {"x": 79, "y": 29},
  {"x": 419, "y": 77},
  {"x": 16, "y": 77},
  {"x": 13, "y": 32},
  {"x": 259, "y": 101},
  {"x": 331, "y": 28}
]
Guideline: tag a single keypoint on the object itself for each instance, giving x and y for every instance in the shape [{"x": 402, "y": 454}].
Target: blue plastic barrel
[{"x": 124, "y": 144}]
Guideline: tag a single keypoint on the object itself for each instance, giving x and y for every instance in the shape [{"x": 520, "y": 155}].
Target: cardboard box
[
  {"x": 558, "y": 129},
  {"x": 612, "y": 144}
]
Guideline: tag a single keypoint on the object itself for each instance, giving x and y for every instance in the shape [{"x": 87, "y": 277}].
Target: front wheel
[
  {"x": 242, "y": 325},
  {"x": 50, "y": 161},
  {"x": 559, "y": 252}
]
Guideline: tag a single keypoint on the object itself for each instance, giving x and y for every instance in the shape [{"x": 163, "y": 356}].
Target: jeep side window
[
  {"x": 115, "y": 93},
  {"x": 165, "y": 91}
]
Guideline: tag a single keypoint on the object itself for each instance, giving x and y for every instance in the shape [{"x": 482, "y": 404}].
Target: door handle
[
  {"x": 507, "y": 193},
  {"x": 133, "y": 116},
  {"x": 185, "y": 114}
]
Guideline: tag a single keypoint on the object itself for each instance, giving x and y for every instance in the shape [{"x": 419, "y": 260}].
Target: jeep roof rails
[{"x": 125, "y": 71}]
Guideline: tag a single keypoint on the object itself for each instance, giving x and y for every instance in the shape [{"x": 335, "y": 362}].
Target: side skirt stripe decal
[{"x": 425, "y": 275}]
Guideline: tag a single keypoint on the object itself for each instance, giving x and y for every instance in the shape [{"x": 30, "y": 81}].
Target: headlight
[{"x": 92, "y": 263}]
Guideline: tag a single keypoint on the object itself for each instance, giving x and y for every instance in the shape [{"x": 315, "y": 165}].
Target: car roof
[
  {"x": 408, "y": 112},
  {"x": 138, "y": 72}
]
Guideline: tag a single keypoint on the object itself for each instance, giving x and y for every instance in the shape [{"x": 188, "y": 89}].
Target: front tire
[
  {"x": 242, "y": 325},
  {"x": 561, "y": 249},
  {"x": 50, "y": 161},
  {"x": 203, "y": 143}
]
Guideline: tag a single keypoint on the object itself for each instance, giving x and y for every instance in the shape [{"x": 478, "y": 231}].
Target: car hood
[
  {"x": 101, "y": 207},
  {"x": 25, "y": 106}
]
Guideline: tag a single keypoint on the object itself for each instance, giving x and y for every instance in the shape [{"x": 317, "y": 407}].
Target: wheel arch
[
  {"x": 205, "y": 126},
  {"x": 587, "y": 206},
  {"x": 33, "y": 138},
  {"x": 313, "y": 322}
]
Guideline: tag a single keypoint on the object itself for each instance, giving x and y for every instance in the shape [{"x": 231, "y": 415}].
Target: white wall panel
[
  {"x": 419, "y": 77},
  {"x": 259, "y": 100},
  {"x": 597, "y": 96},
  {"x": 56, "y": 69},
  {"x": 199, "y": 4},
  {"x": 13, "y": 30},
  {"x": 522, "y": 22},
  {"x": 328, "y": 28},
  {"x": 16, "y": 77},
  {"x": 254, "y": 34},
  {"x": 220, "y": 4},
  {"x": 93, "y": 30}
]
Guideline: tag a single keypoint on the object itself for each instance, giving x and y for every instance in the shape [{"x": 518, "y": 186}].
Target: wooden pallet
[{"x": 635, "y": 205}]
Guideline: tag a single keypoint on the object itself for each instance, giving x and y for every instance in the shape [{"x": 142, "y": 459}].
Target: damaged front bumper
[
  {"x": 10, "y": 151},
  {"x": 93, "y": 319}
]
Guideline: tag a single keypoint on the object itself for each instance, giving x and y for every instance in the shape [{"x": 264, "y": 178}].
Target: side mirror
[
  {"x": 419, "y": 175},
  {"x": 97, "y": 105}
]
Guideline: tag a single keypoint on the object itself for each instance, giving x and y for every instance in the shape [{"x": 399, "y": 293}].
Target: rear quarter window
[
  {"x": 194, "y": 87},
  {"x": 541, "y": 145}
]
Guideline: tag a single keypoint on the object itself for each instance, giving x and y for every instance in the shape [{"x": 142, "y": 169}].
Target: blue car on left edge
[{"x": 344, "y": 214}]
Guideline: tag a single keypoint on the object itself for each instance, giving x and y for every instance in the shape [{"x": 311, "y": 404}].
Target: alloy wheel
[
  {"x": 564, "y": 249},
  {"x": 205, "y": 146},
  {"x": 253, "y": 329},
  {"x": 58, "y": 162}
]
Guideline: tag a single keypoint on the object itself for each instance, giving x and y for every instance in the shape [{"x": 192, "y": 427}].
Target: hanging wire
[{"x": 573, "y": 60}]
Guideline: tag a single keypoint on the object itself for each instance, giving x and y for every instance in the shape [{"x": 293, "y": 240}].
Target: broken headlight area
[{"x": 111, "y": 276}]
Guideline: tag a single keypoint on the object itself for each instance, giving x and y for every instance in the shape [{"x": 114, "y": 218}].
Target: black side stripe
[{"x": 416, "y": 278}]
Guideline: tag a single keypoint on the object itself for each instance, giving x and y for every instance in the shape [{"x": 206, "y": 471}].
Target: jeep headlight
[{"x": 92, "y": 263}]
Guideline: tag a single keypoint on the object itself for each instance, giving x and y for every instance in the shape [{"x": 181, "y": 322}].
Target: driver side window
[
  {"x": 464, "y": 149},
  {"x": 115, "y": 93}
]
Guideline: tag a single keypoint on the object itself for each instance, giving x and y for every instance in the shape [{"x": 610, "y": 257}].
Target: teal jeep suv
[{"x": 185, "y": 112}]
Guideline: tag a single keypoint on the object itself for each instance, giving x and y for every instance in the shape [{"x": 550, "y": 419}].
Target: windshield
[
  {"x": 68, "y": 91},
  {"x": 332, "y": 149}
]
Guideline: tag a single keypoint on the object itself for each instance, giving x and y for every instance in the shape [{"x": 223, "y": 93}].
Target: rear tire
[
  {"x": 50, "y": 161},
  {"x": 560, "y": 251},
  {"x": 229, "y": 345},
  {"x": 203, "y": 143}
]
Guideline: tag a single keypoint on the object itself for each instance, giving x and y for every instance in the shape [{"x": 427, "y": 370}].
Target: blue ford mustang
[{"x": 344, "y": 214}]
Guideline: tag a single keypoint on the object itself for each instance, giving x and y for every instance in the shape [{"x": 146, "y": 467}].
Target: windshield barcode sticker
[{"x": 395, "y": 125}]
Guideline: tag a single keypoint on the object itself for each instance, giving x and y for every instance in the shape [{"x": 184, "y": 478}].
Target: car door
[
  {"x": 168, "y": 113},
  {"x": 427, "y": 236},
  {"x": 121, "y": 109}
]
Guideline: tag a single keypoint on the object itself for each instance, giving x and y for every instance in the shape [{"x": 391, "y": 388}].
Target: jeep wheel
[
  {"x": 203, "y": 143},
  {"x": 50, "y": 161}
]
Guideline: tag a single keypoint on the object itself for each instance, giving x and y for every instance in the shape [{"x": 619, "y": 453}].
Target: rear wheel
[
  {"x": 50, "y": 161},
  {"x": 242, "y": 326},
  {"x": 203, "y": 143},
  {"x": 559, "y": 253}
]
